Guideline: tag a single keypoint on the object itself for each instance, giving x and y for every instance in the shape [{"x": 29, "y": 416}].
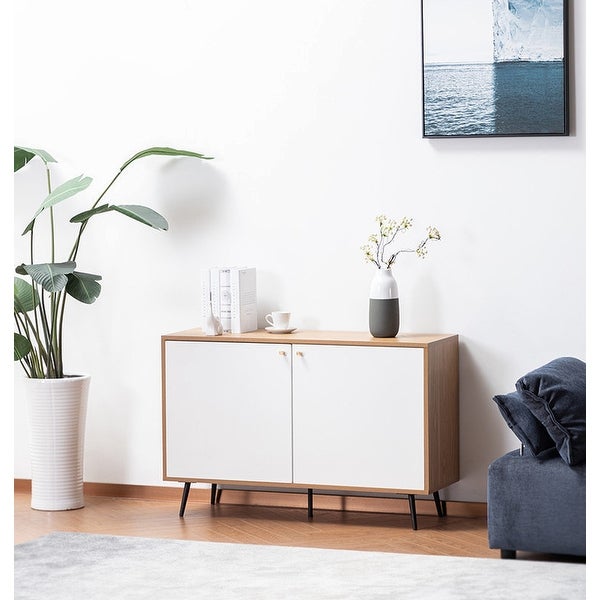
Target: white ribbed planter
[{"x": 57, "y": 412}]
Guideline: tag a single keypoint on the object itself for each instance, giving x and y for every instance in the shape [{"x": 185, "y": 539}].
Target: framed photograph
[{"x": 494, "y": 68}]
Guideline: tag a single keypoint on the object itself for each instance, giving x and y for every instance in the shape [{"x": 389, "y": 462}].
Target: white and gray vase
[{"x": 384, "y": 307}]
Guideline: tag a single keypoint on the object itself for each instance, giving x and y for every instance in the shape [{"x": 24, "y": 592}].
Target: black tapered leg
[
  {"x": 440, "y": 505},
  {"x": 413, "y": 510},
  {"x": 508, "y": 554},
  {"x": 310, "y": 503},
  {"x": 184, "y": 497},
  {"x": 213, "y": 493}
]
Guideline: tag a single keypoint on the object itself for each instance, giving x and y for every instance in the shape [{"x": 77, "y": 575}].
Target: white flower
[{"x": 434, "y": 234}]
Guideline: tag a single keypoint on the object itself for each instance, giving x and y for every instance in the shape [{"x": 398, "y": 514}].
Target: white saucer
[{"x": 275, "y": 330}]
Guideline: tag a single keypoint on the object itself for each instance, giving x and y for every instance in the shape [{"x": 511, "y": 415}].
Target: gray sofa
[
  {"x": 537, "y": 495},
  {"x": 536, "y": 505}
]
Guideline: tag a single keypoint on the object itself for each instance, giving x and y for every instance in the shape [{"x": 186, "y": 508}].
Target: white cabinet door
[
  {"x": 228, "y": 411},
  {"x": 358, "y": 416}
]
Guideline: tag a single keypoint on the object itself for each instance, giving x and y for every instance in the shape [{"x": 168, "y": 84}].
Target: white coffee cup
[{"x": 278, "y": 319}]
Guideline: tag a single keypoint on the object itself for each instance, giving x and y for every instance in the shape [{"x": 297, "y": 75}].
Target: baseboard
[{"x": 290, "y": 499}]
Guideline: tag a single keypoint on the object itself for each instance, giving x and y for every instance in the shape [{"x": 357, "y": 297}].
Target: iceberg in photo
[
  {"x": 528, "y": 30},
  {"x": 508, "y": 78}
]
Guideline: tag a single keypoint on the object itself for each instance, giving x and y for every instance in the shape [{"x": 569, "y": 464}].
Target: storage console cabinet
[{"x": 324, "y": 410}]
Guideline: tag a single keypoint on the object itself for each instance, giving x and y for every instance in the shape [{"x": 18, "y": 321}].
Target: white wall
[{"x": 312, "y": 111}]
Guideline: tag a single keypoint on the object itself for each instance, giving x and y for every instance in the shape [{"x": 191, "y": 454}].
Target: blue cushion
[
  {"x": 524, "y": 424},
  {"x": 555, "y": 394}
]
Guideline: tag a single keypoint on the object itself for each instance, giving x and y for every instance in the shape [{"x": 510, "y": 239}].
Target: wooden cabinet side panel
[
  {"x": 442, "y": 413},
  {"x": 163, "y": 366}
]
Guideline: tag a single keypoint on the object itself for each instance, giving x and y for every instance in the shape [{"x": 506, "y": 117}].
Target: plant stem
[
  {"x": 23, "y": 327},
  {"x": 63, "y": 302},
  {"x": 55, "y": 332},
  {"x": 388, "y": 264},
  {"x": 50, "y": 366},
  {"x": 62, "y": 297},
  {"x": 83, "y": 225},
  {"x": 49, "y": 182}
]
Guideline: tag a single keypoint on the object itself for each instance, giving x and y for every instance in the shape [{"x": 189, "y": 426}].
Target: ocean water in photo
[{"x": 512, "y": 98}]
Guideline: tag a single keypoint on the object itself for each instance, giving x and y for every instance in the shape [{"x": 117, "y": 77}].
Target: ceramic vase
[
  {"x": 57, "y": 414},
  {"x": 384, "y": 307}
]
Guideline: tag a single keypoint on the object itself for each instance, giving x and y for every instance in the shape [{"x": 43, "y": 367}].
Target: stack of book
[{"x": 232, "y": 291}]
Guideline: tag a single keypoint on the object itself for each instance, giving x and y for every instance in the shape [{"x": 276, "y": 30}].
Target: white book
[
  {"x": 220, "y": 288},
  {"x": 204, "y": 293},
  {"x": 244, "y": 306}
]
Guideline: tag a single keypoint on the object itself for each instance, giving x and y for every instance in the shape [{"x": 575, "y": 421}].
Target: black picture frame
[{"x": 502, "y": 71}]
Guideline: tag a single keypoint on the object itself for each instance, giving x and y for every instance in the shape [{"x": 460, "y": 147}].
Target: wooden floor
[{"x": 255, "y": 524}]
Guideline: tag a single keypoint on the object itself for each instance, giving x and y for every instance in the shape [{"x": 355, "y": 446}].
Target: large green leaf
[
  {"x": 143, "y": 214},
  {"x": 22, "y": 346},
  {"x": 83, "y": 286},
  {"x": 63, "y": 191},
  {"x": 163, "y": 152},
  {"x": 26, "y": 297},
  {"x": 24, "y": 155},
  {"x": 51, "y": 276},
  {"x": 87, "y": 214}
]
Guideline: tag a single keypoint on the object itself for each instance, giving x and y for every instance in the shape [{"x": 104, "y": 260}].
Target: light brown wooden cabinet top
[{"x": 338, "y": 338}]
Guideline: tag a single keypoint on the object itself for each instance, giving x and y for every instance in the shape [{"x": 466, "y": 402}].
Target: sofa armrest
[{"x": 536, "y": 505}]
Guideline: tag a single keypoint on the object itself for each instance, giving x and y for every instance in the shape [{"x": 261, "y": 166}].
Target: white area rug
[{"x": 65, "y": 566}]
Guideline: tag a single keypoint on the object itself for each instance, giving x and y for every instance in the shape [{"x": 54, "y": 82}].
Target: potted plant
[{"x": 58, "y": 398}]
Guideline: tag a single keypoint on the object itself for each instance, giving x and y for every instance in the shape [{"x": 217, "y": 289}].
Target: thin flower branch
[{"x": 375, "y": 250}]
